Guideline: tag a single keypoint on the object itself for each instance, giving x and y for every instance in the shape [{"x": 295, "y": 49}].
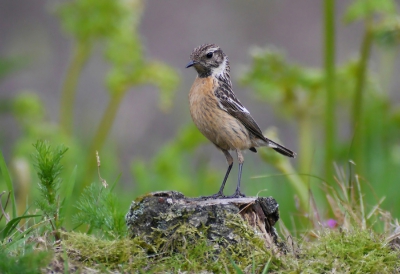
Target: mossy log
[{"x": 162, "y": 217}]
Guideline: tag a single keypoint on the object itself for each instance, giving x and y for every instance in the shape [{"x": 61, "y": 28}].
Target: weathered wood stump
[{"x": 160, "y": 217}]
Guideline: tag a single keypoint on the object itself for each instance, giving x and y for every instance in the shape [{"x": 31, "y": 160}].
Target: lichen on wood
[{"x": 168, "y": 219}]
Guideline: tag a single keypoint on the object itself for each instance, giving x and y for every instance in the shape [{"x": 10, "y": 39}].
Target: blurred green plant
[
  {"x": 7, "y": 179},
  {"x": 309, "y": 97},
  {"x": 365, "y": 11},
  {"x": 30, "y": 261},
  {"x": 116, "y": 23},
  {"x": 88, "y": 21},
  {"x": 48, "y": 167},
  {"x": 295, "y": 89},
  {"x": 172, "y": 167},
  {"x": 17, "y": 255},
  {"x": 99, "y": 208},
  {"x": 10, "y": 226},
  {"x": 329, "y": 84},
  {"x": 8, "y": 65}
]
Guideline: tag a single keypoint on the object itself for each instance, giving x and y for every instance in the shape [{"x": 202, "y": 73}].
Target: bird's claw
[
  {"x": 214, "y": 196},
  {"x": 237, "y": 194}
]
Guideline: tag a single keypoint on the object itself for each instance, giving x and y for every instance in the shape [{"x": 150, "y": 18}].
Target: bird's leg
[
  {"x": 229, "y": 159},
  {"x": 241, "y": 161},
  {"x": 221, "y": 189}
]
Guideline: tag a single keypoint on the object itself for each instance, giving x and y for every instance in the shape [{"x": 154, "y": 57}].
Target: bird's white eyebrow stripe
[{"x": 212, "y": 49}]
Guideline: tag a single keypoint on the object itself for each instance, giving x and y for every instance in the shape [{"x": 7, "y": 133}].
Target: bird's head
[{"x": 209, "y": 59}]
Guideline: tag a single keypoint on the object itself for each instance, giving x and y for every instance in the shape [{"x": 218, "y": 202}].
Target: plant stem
[
  {"x": 80, "y": 55},
  {"x": 101, "y": 134},
  {"x": 301, "y": 188},
  {"x": 329, "y": 66},
  {"x": 306, "y": 141},
  {"x": 357, "y": 111}
]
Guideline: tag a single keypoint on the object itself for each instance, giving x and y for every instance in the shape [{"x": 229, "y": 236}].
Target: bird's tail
[{"x": 281, "y": 149}]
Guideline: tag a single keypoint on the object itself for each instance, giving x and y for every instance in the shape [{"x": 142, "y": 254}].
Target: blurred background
[{"x": 109, "y": 76}]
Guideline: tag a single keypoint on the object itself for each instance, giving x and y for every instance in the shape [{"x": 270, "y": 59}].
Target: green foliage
[
  {"x": 185, "y": 249},
  {"x": 357, "y": 251},
  {"x": 173, "y": 164},
  {"x": 28, "y": 109},
  {"x": 290, "y": 88},
  {"x": 295, "y": 91},
  {"x": 363, "y": 9},
  {"x": 300, "y": 94},
  {"x": 31, "y": 261},
  {"x": 91, "y": 19},
  {"x": 7, "y": 66},
  {"x": 11, "y": 226},
  {"x": 48, "y": 167},
  {"x": 116, "y": 24},
  {"x": 99, "y": 208},
  {"x": 387, "y": 32},
  {"x": 7, "y": 178},
  {"x": 130, "y": 66}
]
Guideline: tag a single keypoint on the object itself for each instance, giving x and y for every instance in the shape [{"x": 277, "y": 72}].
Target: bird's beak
[{"x": 191, "y": 64}]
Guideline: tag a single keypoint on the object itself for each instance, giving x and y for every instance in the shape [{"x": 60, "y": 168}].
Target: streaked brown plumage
[{"x": 219, "y": 115}]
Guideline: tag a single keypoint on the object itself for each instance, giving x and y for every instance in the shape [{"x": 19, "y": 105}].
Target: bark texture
[{"x": 224, "y": 221}]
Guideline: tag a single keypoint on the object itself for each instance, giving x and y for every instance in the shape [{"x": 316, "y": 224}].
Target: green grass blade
[
  {"x": 330, "y": 101},
  {"x": 65, "y": 255},
  {"x": 7, "y": 179},
  {"x": 115, "y": 182},
  {"x": 21, "y": 236},
  {"x": 11, "y": 225},
  {"x": 69, "y": 186},
  {"x": 237, "y": 269},
  {"x": 68, "y": 191},
  {"x": 266, "y": 267}
]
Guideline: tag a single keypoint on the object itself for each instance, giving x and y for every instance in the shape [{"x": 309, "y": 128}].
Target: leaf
[
  {"x": 361, "y": 9},
  {"x": 266, "y": 267},
  {"x": 67, "y": 191},
  {"x": 387, "y": 32},
  {"x": 237, "y": 269},
  {"x": 11, "y": 225},
  {"x": 7, "y": 179}
]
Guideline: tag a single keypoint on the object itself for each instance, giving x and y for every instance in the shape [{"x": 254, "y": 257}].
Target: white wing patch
[
  {"x": 240, "y": 107},
  {"x": 271, "y": 144},
  {"x": 221, "y": 106}
]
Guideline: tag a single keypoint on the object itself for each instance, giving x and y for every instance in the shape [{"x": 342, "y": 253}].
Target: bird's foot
[
  {"x": 237, "y": 194},
  {"x": 218, "y": 195}
]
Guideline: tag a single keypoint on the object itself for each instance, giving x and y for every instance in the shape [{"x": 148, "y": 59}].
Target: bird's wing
[{"x": 229, "y": 103}]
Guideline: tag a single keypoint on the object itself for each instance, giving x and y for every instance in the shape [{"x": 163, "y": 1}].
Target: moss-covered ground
[{"x": 332, "y": 251}]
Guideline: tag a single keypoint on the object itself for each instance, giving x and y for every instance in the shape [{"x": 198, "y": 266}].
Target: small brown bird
[{"x": 219, "y": 115}]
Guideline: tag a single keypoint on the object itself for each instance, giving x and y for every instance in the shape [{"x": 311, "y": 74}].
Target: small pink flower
[{"x": 331, "y": 223}]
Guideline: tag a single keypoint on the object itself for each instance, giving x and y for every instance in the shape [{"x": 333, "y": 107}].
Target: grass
[
  {"x": 349, "y": 244},
  {"x": 351, "y": 234},
  {"x": 355, "y": 251}
]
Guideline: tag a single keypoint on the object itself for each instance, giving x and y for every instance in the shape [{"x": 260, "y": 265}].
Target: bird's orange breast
[
  {"x": 201, "y": 89},
  {"x": 225, "y": 131}
]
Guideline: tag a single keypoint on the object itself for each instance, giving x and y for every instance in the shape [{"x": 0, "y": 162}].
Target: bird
[{"x": 220, "y": 116}]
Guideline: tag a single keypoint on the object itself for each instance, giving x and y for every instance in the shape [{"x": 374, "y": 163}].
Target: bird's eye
[{"x": 209, "y": 55}]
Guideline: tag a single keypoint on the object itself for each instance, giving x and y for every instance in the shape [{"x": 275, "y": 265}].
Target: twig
[{"x": 103, "y": 181}]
